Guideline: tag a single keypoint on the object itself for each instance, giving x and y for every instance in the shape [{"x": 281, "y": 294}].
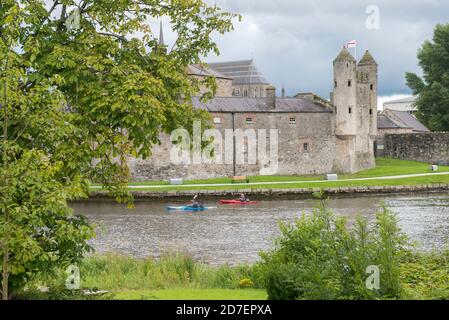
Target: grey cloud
[{"x": 294, "y": 42}]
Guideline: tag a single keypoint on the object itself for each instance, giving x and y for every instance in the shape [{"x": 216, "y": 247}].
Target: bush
[
  {"x": 246, "y": 283},
  {"x": 318, "y": 257},
  {"x": 426, "y": 275},
  {"x": 61, "y": 293}
]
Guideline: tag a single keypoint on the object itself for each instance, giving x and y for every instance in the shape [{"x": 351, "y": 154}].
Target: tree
[
  {"x": 76, "y": 100},
  {"x": 433, "y": 88}
]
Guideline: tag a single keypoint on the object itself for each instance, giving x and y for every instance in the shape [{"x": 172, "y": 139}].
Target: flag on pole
[{"x": 351, "y": 44}]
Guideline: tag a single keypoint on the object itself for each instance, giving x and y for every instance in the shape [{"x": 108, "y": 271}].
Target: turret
[
  {"x": 367, "y": 88},
  {"x": 344, "y": 96}
]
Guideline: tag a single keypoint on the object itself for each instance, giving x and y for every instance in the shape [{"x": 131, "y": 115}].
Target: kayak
[
  {"x": 237, "y": 202},
  {"x": 188, "y": 208}
]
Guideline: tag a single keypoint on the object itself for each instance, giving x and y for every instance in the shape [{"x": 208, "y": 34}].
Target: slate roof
[
  {"x": 367, "y": 59},
  {"x": 242, "y": 72},
  {"x": 255, "y": 105},
  {"x": 344, "y": 56},
  {"x": 391, "y": 119},
  {"x": 198, "y": 70},
  {"x": 410, "y": 121},
  {"x": 383, "y": 122}
]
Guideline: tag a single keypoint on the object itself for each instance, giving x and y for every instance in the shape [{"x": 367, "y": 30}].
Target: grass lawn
[
  {"x": 385, "y": 167},
  {"x": 193, "y": 294},
  {"x": 371, "y": 183}
]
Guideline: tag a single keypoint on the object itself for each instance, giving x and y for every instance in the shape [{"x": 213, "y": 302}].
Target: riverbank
[
  {"x": 423, "y": 277},
  {"x": 390, "y": 175},
  {"x": 435, "y": 187}
]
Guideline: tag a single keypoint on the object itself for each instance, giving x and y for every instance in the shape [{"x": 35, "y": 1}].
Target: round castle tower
[
  {"x": 355, "y": 100},
  {"x": 345, "y": 93}
]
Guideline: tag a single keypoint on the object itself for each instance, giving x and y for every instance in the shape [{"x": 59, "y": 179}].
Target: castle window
[
  {"x": 371, "y": 87},
  {"x": 237, "y": 92},
  {"x": 217, "y": 120},
  {"x": 249, "y": 120},
  {"x": 349, "y": 83},
  {"x": 306, "y": 147},
  {"x": 245, "y": 93},
  {"x": 370, "y": 111},
  {"x": 350, "y": 110},
  {"x": 292, "y": 120}
]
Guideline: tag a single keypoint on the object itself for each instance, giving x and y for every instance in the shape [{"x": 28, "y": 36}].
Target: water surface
[{"x": 236, "y": 234}]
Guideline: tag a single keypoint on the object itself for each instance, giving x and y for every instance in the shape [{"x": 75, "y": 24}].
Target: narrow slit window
[
  {"x": 350, "y": 110},
  {"x": 349, "y": 83},
  {"x": 306, "y": 147},
  {"x": 371, "y": 111},
  {"x": 371, "y": 87}
]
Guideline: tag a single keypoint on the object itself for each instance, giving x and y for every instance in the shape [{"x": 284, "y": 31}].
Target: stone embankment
[{"x": 281, "y": 192}]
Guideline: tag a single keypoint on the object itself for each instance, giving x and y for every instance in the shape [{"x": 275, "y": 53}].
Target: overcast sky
[{"x": 294, "y": 42}]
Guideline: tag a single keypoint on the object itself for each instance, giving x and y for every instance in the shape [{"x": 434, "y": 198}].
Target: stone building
[
  {"x": 405, "y": 104},
  {"x": 247, "y": 80},
  {"x": 224, "y": 83},
  {"x": 314, "y": 136},
  {"x": 396, "y": 122}
]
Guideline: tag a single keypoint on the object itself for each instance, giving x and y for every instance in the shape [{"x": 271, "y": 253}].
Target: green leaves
[
  {"x": 78, "y": 103},
  {"x": 433, "y": 88},
  {"x": 319, "y": 257}
]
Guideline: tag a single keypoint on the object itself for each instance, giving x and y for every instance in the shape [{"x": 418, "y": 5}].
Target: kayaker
[
  {"x": 195, "y": 204},
  {"x": 243, "y": 198}
]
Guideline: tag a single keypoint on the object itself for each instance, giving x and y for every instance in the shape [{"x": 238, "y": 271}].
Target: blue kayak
[{"x": 188, "y": 208}]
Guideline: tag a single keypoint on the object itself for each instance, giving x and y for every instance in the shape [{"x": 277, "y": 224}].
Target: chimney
[{"x": 271, "y": 97}]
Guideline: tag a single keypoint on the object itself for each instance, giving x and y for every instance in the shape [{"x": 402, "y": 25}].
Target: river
[{"x": 236, "y": 234}]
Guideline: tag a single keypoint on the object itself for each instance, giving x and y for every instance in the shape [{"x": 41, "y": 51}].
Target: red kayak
[{"x": 237, "y": 202}]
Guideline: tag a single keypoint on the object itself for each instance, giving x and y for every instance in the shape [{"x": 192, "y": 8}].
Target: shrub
[
  {"x": 246, "y": 283},
  {"x": 318, "y": 257},
  {"x": 61, "y": 293}
]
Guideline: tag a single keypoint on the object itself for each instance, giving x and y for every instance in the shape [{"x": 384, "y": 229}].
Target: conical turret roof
[
  {"x": 367, "y": 59},
  {"x": 344, "y": 56},
  {"x": 161, "y": 36}
]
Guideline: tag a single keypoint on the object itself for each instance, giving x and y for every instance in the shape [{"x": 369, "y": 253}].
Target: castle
[{"x": 315, "y": 136}]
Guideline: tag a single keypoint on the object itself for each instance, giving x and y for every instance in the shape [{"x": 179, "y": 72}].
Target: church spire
[{"x": 161, "y": 36}]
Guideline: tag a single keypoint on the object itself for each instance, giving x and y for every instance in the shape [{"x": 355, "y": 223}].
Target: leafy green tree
[
  {"x": 79, "y": 92},
  {"x": 433, "y": 88}
]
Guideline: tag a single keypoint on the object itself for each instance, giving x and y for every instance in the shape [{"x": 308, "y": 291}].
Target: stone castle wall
[
  {"x": 312, "y": 129},
  {"x": 425, "y": 147}
]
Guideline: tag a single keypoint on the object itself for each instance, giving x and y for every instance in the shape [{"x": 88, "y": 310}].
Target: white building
[{"x": 405, "y": 104}]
